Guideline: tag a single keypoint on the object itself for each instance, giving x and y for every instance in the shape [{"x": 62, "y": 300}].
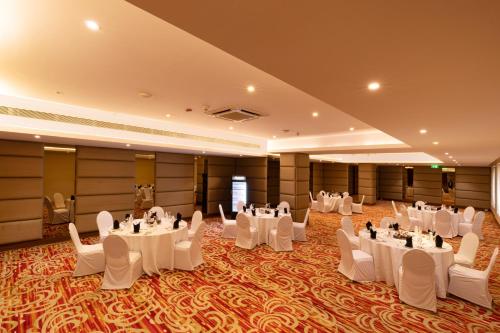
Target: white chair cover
[
  {"x": 345, "y": 194},
  {"x": 195, "y": 223},
  {"x": 284, "y": 204},
  {"x": 228, "y": 226},
  {"x": 104, "y": 223},
  {"x": 355, "y": 264},
  {"x": 314, "y": 203},
  {"x": 358, "y": 208},
  {"x": 90, "y": 258},
  {"x": 443, "y": 225},
  {"x": 396, "y": 213},
  {"x": 280, "y": 239},
  {"x": 406, "y": 222},
  {"x": 471, "y": 284},
  {"x": 420, "y": 204},
  {"x": 345, "y": 207},
  {"x": 417, "y": 280},
  {"x": 347, "y": 226},
  {"x": 56, "y": 216},
  {"x": 466, "y": 254},
  {"x": 188, "y": 255},
  {"x": 123, "y": 267},
  {"x": 246, "y": 235},
  {"x": 160, "y": 213},
  {"x": 323, "y": 193},
  {"x": 386, "y": 221},
  {"x": 147, "y": 197},
  {"x": 59, "y": 201},
  {"x": 320, "y": 202},
  {"x": 476, "y": 226},
  {"x": 299, "y": 229},
  {"x": 239, "y": 206},
  {"x": 469, "y": 214}
]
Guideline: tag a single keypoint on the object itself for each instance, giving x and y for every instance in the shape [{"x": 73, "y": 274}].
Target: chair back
[
  {"x": 386, "y": 221},
  {"x": 346, "y": 257},
  {"x": 311, "y": 196},
  {"x": 160, "y": 213},
  {"x": 321, "y": 202},
  {"x": 323, "y": 193},
  {"x": 468, "y": 246},
  {"x": 222, "y": 216},
  {"x": 243, "y": 224},
  {"x": 346, "y": 223},
  {"x": 405, "y": 218},
  {"x": 116, "y": 252},
  {"x": 394, "y": 207},
  {"x": 50, "y": 208},
  {"x": 345, "y": 194},
  {"x": 477, "y": 225},
  {"x": 362, "y": 199},
  {"x": 59, "y": 201},
  {"x": 75, "y": 237},
  {"x": 306, "y": 218},
  {"x": 418, "y": 268},
  {"x": 443, "y": 223},
  {"x": 239, "y": 206},
  {"x": 197, "y": 239},
  {"x": 284, "y": 204},
  {"x": 420, "y": 204},
  {"x": 285, "y": 226},
  {"x": 147, "y": 193},
  {"x": 492, "y": 263},
  {"x": 196, "y": 220},
  {"x": 469, "y": 213},
  {"x": 347, "y": 205},
  {"x": 104, "y": 223}
]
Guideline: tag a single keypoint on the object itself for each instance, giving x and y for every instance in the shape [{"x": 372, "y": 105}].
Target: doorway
[{"x": 144, "y": 182}]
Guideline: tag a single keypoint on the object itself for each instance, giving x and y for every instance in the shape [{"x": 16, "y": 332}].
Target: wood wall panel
[
  {"x": 220, "y": 171},
  {"x": 294, "y": 183},
  {"x": 105, "y": 179},
  {"x": 21, "y": 193},
  {"x": 318, "y": 183},
  {"x": 175, "y": 183},
  {"x": 255, "y": 171},
  {"x": 427, "y": 185},
  {"x": 367, "y": 182},
  {"x": 390, "y": 182},
  {"x": 336, "y": 177},
  {"x": 273, "y": 181},
  {"x": 473, "y": 187}
]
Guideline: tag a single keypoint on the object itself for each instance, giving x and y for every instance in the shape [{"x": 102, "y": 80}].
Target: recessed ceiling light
[
  {"x": 351, "y": 129},
  {"x": 168, "y": 115},
  {"x": 450, "y": 156},
  {"x": 37, "y": 136},
  {"x": 231, "y": 128},
  {"x": 203, "y": 152},
  {"x": 435, "y": 142},
  {"x": 373, "y": 86},
  {"x": 241, "y": 155},
  {"x": 315, "y": 114},
  {"x": 274, "y": 136},
  {"x": 128, "y": 145},
  {"x": 250, "y": 89},
  {"x": 423, "y": 131},
  {"x": 144, "y": 94},
  {"x": 340, "y": 158},
  {"x": 446, "y": 153},
  {"x": 92, "y": 25}
]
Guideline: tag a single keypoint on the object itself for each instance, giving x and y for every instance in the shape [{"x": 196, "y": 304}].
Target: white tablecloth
[
  {"x": 429, "y": 218},
  {"x": 388, "y": 256},
  {"x": 264, "y": 223},
  {"x": 330, "y": 203},
  {"x": 156, "y": 244}
]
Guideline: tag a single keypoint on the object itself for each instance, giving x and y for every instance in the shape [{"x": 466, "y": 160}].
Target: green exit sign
[{"x": 435, "y": 166}]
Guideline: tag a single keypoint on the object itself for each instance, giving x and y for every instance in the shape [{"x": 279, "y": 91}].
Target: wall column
[
  {"x": 294, "y": 183},
  {"x": 367, "y": 182}
]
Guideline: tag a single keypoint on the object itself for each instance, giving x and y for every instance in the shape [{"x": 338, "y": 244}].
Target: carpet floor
[{"x": 235, "y": 290}]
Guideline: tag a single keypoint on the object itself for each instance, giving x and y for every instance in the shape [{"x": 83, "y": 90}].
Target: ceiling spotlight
[
  {"x": 450, "y": 156},
  {"x": 231, "y": 128},
  {"x": 373, "y": 86},
  {"x": 128, "y": 145},
  {"x": 435, "y": 142},
  {"x": 168, "y": 115},
  {"x": 37, "y": 136},
  {"x": 250, "y": 89},
  {"x": 315, "y": 114},
  {"x": 241, "y": 155},
  {"x": 423, "y": 131},
  {"x": 203, "y": 152},
  {"x": 92, "y": 25},
  {"x": 446, "y": 153},
  {"x": 274, "y": 136},
  {"x": 144, "y": 94},
  {"x": 351, "y": 129}
]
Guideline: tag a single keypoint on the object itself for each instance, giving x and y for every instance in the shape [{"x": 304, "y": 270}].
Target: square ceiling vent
[{"x": 235, "y": 115}]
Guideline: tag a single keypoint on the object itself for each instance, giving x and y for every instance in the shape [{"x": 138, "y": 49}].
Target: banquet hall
[{"x": 233, "y": 166}]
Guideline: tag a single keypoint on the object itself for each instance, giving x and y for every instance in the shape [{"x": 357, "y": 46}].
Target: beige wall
[
  {"x": 200, "y": 169},
  {"x": 255, "y": 171},
  {"x": 273, "y": 181},
  {"x": 294, "y": 183},
  {"x": 318, "y": 181},
  {"x": 473, "y": 187},
  {"x": 367, "y": 182},
  {"x": 336, "y": 177},
  {"x": 390, "y": 182},
  {"x": 427, "y": 184},
  {"x": 220, "y": 170},
  {"x": 59, "y": 173},
  {"x": 144, "y": 171}
]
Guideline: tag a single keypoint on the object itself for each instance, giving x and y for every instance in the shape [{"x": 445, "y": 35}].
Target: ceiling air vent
[{"x": 236, "y": 115}]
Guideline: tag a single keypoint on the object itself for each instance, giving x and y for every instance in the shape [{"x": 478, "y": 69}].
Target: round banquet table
[
  {"x": 156, "y": 243},
  {"x": 330, "y": 203},
  {"x": 388, "y": 254},
  {"x": 428, "y": 218},
  {"x": 264, "y": 223}
]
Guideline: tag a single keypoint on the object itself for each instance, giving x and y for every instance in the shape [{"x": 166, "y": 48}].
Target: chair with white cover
[
  {"x": 284, "y": 204},
  {"x": 187, "y": 254},
  {"x": 123, "y": 267},
  {"x": 358, "y": 208},
  {"x": 386, "y": 222},
  {"x": 420, "y": 203},
  {"x": 320, "y": 200},
  {"x": 417, "y": 280},
  {"x": 469, "y": 214},
  {"x": 239, "y": 206},
  {"x": 396, "y": 213},
  {"x": 59, "y": 201},
  {"x": 443, "y": 225},
  {"x": 476, "y": 226},
  {"x": 90, "y": 258},
  {"x": 348, "y": 227},
  {"x": 56, "y": 216},
  {"x": 322, "y": 192},
  {"x": 299, "y": 229},
  {"x": 355, "y": 264},
  {"x": 160, "y": 213},
  {"x": 228, "y": 226},
  {"x": 471, "y": 284},
  {"x": 246, "y": 235},
  {"x": 104, "y": 223},
  {"x": 466, "y": 254},
  {"x": 280, "y": 239},
  {"x": 406, "y": 222},
  {"x": 345, "y": 207},
  {"x": 147, "y": 197},
  {"x": 345, "y": 194},
  {"x": 314, "y": 203},
  {"x": 195, "y": 223}
]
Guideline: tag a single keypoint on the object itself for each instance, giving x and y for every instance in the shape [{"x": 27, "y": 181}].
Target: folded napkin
[
  {"x": 177, "y": 221},
  {"x": 419, "y": 207},
  {"x": 244, "y": 208},
  {"x": 254, "y": 213},
  {"x": 276, "y": 212},
  {"x": 395, "y": 226},
  {"x": 439, "y": 241},
  {"x": 413, "y": 204},
  {"x": 439, "y": 208},
  {"x": 127, "y": 216},
  {"x": 369, "y": 225},
  {"x": 409, "y": 242},
  {"x": 286, "y": 210},
  {"x": 373, "y": 234},
  {"x": 137, "y": 226},
  {"x": 116, "y": 224},
  {"x": 455, "y": 210}
]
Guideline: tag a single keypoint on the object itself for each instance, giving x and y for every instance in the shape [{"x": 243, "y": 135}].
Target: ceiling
[{"x": 437, "y": 62}]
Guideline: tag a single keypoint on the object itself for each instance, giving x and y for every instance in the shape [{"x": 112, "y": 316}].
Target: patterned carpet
[{"x": 234, "y": 291}]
